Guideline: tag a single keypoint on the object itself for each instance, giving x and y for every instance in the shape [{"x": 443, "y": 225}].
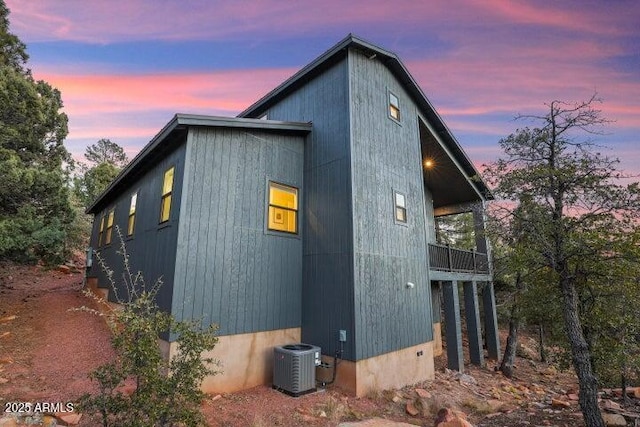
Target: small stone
[
  {"x": 8, "y": 422},
  {"x": 467, "y": 379},
  {"x": 69, "y": 418},
  {"x": 572, "y": 396},
  {"x": 493, "y": 415},
  {"x": 8, "y": 318},
  {"x": 216, "y": 397},
  {"x": 614, "y": 420},
  {"x": 611, "y": 405},
  {"x": 422, "y": 393},
  {"x": 127, "y": 389},
  {"x": 557, "y": 403},
  {"x": 49, "y": 421},
  {"x": 322, "y": 414},
  {"x": 396, "y": 399},
  {"x": 411, "y": 409},
  {"x": 636, "y": 393}
]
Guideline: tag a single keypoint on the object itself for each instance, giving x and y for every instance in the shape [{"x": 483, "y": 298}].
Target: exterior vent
[{"x": 294, "y": 368}]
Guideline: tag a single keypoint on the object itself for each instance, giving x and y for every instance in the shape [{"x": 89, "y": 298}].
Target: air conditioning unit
[{"x": 294, "y": 368}]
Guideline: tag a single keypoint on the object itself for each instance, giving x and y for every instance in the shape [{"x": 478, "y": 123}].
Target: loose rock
[
  {"x": 611, "y": 405},
  {"x": 411, "y": 409},
  {"x": 422, "y": 393},
  {"x": 70, "y": 419},
  {"x": 614, "y": 420},
  {"x": 557, "y": 403}
]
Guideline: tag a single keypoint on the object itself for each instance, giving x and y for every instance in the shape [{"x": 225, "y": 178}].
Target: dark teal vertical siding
[
  {"x": 386, "y": 156},
  {"x": 327, "y": 293},
  {"x": 229, "y": 269},
  {"x": 152, "y": 248}
]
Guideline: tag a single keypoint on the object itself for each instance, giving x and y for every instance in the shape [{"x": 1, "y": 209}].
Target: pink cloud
[
  {"x": 225, "y": 92},
  {"x": 131, "y": 109},
  {"x": 118, "y": 20},
  {"x": 610, "y": 18}
]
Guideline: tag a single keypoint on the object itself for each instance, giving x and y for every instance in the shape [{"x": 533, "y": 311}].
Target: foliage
[
  {"x": 164, "y": 392},
  {"x": 106, "y": 151},
  {"x": 35, "y": 210},
  {"x": 106, "y": 160},
  {"x": 92, "y": 181},
  {"x": 579, "y": 210},
  {"x": 12, "y": 51},
  {"x": 456, "y": 230}
]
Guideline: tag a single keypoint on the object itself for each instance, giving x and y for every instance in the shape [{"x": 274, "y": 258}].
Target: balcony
[{"x": 447, "y": 259}]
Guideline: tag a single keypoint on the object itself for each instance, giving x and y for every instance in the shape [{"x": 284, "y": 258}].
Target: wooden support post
[
  {"x": 474, "y": 331},
  {"x": 491, "y": 321},
  {"x": 455, "y": 359}
]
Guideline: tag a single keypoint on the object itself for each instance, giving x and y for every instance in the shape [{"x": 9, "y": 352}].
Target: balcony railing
[{"x": 446, "y": 258}]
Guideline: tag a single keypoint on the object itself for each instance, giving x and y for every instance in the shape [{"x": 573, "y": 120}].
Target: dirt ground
[{"x": 47, "y": 351}]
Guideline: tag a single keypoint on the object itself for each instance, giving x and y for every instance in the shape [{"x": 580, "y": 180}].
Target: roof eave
[
  {"x": 394, "y": 63},
  {"x": 181, "y": 121},
  {"x": 160, "y": 136}
]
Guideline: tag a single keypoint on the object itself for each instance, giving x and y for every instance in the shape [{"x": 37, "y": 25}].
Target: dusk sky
[{"x": 125, "y": 67}]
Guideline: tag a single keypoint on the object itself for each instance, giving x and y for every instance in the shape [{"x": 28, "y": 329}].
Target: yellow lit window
[
  {"x": 107, "y": 237},
  {"x": 167, "y": 190},
  {"x": 132, "y": 214},
  {"x": 101, "y": 231},
  {"x": 283, "y": 208},
  {"x": 394, "y": 107},
  {"x": 401, "y": 207}
]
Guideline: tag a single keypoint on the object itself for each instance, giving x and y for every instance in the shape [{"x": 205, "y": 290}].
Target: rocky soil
[{"x": 47, "y": 351}]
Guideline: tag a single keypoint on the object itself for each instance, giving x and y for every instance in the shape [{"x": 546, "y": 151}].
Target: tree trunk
[
  {"x": 543, "y": 353},
  {"x": 509, "y": 358},
  {"x": 587, "y": 381}
]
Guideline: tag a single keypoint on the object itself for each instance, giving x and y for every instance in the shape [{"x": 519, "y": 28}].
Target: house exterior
[{"x": 310, "y": 218}]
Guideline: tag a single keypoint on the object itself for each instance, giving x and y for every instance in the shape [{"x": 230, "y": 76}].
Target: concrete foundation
[
  {"x": 387, "y": 371},
  {"x": 246, "y": 360}
]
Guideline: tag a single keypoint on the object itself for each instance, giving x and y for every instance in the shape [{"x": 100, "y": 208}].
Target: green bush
[{"x": 140, "y": 387}]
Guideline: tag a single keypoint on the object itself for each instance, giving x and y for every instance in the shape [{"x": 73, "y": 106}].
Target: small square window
[
  {"x": 283, "y": 208},
  {"x": 400, "y": 205},
  {"x": 394, "y": 107}
]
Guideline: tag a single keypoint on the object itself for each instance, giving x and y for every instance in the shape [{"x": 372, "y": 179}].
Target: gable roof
[
  {"x": 174, "y": 133},
  {"x": 393, "y": 63}
]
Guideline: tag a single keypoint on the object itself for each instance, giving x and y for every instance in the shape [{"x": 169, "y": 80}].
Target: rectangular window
[
  {"x": 400, "y": 203},
  {"x": 283, "y": 208},
  {"x": 101, "y": 231},
  {"x": 132, "y": 214},
  {"x": 107, "y": 237},
  {"x": 394, "y": 107},
  {"x": 167, "y": 190}
]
